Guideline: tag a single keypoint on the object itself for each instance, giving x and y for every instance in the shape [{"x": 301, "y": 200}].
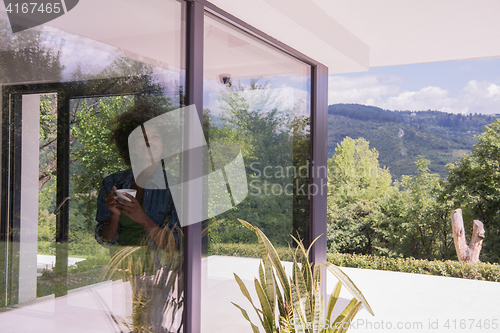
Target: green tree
[
  {"x": 367, "y": 215},
  {"x": 417, "y": 223},
  {"x": 473, "y": 186},
  {"x": 46, "y": 220},
  {"x": 356, "y": 184},
  {"x": 354, "y": 173},
  {"x": 358, "y": 227},
  {"x": 301, "y": 157},
  {"x": 47, "y": 141}
]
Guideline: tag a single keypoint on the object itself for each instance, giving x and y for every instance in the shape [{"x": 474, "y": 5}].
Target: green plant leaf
[
  {"x": 349, "y": 317},
  {"x": 333, "y": 300},
  {"x": 261, "y": 274},
  {"x": 273, "y": 257},
  {"x": 255, "y": 329},
  {"x": 319, "y": 309},
  {"x": 245, "y": 293},
  {"x": 267, "y": 312},
  {"x": 310, "y": 245},
  {"x": 301, "y": 307},
  {"x": 282, "y": 305},
  {"x": 299, "y": 319},
  {"x": 270, "y": 284},
  {"x": 302, "y": 292},
  {"x": 116, "y": 261},
  {"x": 345, "y": 311},
  {"x": 317, "y": 275},
  {"x": 347, "y": 282}
]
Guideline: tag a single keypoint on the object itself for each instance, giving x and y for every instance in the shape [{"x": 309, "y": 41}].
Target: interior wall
[{"x": 29, "y": 198}]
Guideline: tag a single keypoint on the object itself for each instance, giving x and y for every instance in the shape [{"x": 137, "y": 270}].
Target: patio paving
[
  {"x": 82, "y": 311},
  {"x": 402, "y": 302},
  {"x": 405, "y": 302}
]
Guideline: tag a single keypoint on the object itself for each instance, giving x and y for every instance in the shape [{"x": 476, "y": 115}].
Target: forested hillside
[{"x": 400, "y": 136}]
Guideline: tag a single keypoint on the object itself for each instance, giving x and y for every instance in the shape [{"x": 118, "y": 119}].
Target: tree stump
[{"x": 466, "y": 252}]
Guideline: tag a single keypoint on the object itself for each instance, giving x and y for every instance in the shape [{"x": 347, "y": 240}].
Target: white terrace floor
[{"x": 402, "y": 303}]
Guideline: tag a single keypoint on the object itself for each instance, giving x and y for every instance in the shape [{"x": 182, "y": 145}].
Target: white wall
[{"x": 29, "y": 197}]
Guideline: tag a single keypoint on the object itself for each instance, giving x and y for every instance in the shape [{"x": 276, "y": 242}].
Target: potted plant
[
  {"x": 297, "y": 298},
  {"x": 156, "y": 280}
]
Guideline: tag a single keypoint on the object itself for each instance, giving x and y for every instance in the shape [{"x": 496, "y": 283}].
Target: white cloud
[
  {"x": 367, "y": 89},
  {"x": 426, "y": 98},
  {"x": 480, "y": 97},
  {"x": 386, "y": 92}
]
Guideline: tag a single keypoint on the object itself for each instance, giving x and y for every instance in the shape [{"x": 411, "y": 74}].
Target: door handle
[{"x": 60, "y": 205}]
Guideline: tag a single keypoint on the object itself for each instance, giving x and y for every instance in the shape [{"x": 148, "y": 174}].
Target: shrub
[
  {"x": 450, "y": 268},
  {"x": 247, "y": 250}
]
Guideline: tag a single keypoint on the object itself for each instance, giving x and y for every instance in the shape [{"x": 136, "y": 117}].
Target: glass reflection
[
  {"x": 259, "y": 99},
  {"x": 63, "y": 86}
]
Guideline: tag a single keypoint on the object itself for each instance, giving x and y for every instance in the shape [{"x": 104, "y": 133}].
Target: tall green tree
[
  {"x": 356, "y": 184},
  {"x": 417, "y": 223},
  {"x": 473, "y": 185},
  {"x": 366, "y": 214},
  {"x": 354, "y": 173}
]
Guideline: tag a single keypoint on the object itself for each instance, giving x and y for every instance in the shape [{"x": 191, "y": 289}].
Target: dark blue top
[{"x": 158, "y": 203}]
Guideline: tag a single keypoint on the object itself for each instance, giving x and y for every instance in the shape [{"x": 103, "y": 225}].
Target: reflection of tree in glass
[
  {"x": 255, "y": 117},
  {"x": 24, "y": 58},
  {"x": 47, "y": 141},
  {"x": 252, "y": 116},
  {"x": 92, "y": 155},
  {"x": 301, "y": 157}
]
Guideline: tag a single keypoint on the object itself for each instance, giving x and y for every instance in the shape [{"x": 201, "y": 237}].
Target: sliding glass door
[{"x": 257, "y": 98}]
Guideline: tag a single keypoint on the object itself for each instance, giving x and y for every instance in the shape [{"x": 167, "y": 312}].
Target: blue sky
[{"x": 465, "y": 86}]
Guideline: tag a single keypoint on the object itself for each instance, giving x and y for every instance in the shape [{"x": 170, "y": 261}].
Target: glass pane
[
  {"x": 257, "y": 98},
  {"x": 47, "y": 201},
  {"x": 73, "y": 91}
]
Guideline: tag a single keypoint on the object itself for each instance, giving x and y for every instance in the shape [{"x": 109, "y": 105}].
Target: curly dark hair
[{"x": 125, "y": 123}]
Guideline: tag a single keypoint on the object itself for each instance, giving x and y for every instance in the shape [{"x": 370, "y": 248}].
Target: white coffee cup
[{"x": 120, "y": 193}]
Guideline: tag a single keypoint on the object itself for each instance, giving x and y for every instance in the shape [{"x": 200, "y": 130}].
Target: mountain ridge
[{"x": 400, "y": 136}]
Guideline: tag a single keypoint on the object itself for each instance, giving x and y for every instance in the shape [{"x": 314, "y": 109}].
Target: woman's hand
[
  {"x": 133, "y": 210},
  {"x": 111, "y": 202},
  {"x": 109, "y": 230}
]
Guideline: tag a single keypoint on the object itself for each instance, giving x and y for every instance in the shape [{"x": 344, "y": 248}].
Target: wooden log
[
  {"x": 466, "y": 252},
  {"x": 457, "y": 226},
  {"x": 476, "y": 243}
]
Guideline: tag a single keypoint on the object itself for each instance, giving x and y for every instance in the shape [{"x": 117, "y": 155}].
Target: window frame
[
  {"x": 193, "y": 48},
  {"x": 195, "y": 12}
]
